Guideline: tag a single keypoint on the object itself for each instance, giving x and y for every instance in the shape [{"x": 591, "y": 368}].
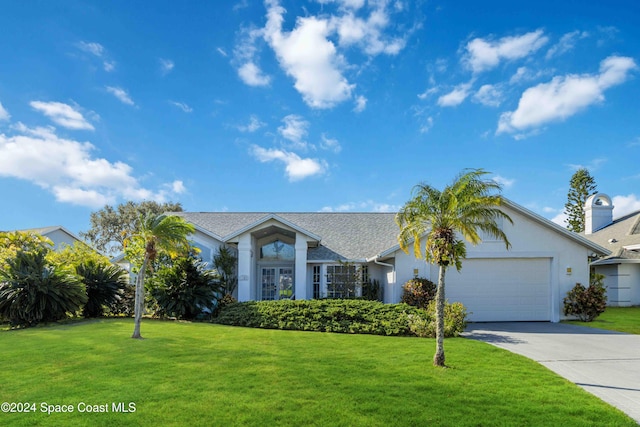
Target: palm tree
[
  {"x": 156, "y": 233},
  {"x": 466, "y": 207}
]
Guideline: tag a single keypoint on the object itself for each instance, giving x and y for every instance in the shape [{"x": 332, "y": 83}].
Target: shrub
[
  {"x": 329, "y": 315},
  {"x": 371, "y": 290},
  {"x": 103, "y": 282},
  {"x": 586, "y": 303},
  {"x": 418, "y": 292},
  {"x": 33, "y": 291},
  {"x": 123, "y": 304},
  {"x": 185, "y": 290},
  {"x": 455, "y": 320}
]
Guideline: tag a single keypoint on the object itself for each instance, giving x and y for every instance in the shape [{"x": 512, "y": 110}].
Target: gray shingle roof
[
  {"x": 346, "y": 236},
  {"x": 623, "y": 231}
]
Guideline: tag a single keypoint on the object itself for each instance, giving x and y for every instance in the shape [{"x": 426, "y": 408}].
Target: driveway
[{"x": 604, "y": 363}]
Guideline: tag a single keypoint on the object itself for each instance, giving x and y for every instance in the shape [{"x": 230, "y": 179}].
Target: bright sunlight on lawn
[
  {"x": 204, "y": 374},
  {"x": 622, "y": 319}
]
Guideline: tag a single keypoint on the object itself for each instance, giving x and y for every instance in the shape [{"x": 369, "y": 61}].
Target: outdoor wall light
[{"x": 568, "y": 270}]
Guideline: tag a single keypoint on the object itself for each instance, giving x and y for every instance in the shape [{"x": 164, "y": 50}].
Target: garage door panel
[{"x": 502, "y": 289}]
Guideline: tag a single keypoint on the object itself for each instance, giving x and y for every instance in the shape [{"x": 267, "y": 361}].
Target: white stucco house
[
  {"x": 296, "y": 255},
  {"x": 621, "y": 236}
]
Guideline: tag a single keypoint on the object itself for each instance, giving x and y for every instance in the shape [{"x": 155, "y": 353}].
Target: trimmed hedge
[{"x": 330, "y": 315}]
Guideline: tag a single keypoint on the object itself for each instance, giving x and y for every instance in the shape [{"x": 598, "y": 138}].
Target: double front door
[{"x": 277, "y": 282}]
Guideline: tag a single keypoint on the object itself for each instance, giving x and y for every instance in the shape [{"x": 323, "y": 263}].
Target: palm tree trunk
[
  {"x": 139, "y": 300},
  {"x": 438, "y": 358}
]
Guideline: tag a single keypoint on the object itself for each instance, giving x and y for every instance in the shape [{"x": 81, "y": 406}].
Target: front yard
[
  {"x": 622, "y": 319},
  {"x": 205, "y": 374}
]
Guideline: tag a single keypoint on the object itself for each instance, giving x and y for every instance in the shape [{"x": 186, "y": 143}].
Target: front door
[{"x": 277, "y": 283}]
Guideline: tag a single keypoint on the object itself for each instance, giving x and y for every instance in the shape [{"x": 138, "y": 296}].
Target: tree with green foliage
[
  {"x": 581, "y": 186},
  {"x": 467, "y": 207},
  {"x": 104, "y": 283},
  {"x": 32, "y": 290},
  {"x": 186, "y": 289},
  {"x": 110, "y": 226},
  {"x": 153, "y": 234},
  {"x": 12, "y": 242}
]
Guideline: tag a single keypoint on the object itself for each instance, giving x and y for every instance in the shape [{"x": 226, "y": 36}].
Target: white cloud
[
  {"x": 309, "y": 57},
  {"x": 97, "y": 50},
  {"x": 252, "y": 75},
  {"x": 567, "y": 42},
  {"x": 623, "y": 205},
  {"x": 489, "y": 95},
  {"x": 483, "y": 55},
  {"x": 222, "y": 52},
  {"x": 361, "y": 104},
  {"x": 561, "y": 219},
  {"x": 253, "y": 125},
  {"x": 166, "y": 66},
  {"x": 368, "y": 33},
  {"x": 366, "y": 206},
  {"x": 62, "y": 114},
  {"x": 178, "y": 187},
  {"x": 504, "y": 182},
  {"x": 244, "y": 58},
  {"x": 426, "y": 125},
  {"x": 564, "y": 96},
  {"x": 68, "y": 169},
  {"x": 294, "y": 130},
  {"x": 4, "y": 114},
  {"x": 330, "y": 144},
  {"x": 296, "y": 168},
  {"x": 181, "y": 105},
  {"x": 121, "y": 94},
  {"x": 456, "y": 96}
]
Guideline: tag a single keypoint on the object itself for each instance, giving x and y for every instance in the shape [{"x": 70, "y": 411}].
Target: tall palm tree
[
  {"x": 466, "y": 207},
  {"x": 156, "y": 233}
]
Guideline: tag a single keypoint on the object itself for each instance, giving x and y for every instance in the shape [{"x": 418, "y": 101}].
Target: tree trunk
[
  {"x": 438, "y": 358},
  {"x": 139, "y": 301}
]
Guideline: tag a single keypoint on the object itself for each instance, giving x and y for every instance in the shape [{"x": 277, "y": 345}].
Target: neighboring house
[
  {"x": 297, "y": 255},
  {"x": 59, "y": 235},
  {"x": 622, "y": 237}
]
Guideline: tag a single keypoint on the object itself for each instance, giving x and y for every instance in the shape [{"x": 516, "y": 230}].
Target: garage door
[{"x": 502, "y": 289}]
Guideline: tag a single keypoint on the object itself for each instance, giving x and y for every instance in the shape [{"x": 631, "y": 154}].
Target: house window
[
  {"x": 277, "y": 251},
  {"x": 342, "y": 281},
  {"x": 316, "y": 281},
  {"x": 204, "y": 253}
]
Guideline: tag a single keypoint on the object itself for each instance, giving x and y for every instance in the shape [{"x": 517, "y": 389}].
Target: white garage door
[{"x": 502, "y": 289}]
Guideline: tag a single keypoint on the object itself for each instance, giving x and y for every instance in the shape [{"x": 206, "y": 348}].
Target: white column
[
  {"x": 301, "y": 267},
  {"x": 245, "y": 268}
]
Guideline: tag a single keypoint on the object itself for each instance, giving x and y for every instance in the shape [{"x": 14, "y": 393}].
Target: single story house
[
  {"x": 302, "y": 255},
  {"x": 622, "y": 237}
]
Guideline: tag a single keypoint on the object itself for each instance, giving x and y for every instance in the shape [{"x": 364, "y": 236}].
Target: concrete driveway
[{"x": 604, "y": 363}]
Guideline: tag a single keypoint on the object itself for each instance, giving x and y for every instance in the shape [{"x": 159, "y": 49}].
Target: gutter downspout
[{"x": 384, "y": 264}]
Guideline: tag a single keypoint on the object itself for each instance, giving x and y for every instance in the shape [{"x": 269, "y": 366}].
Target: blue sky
[{"x": 327, "y": 105}]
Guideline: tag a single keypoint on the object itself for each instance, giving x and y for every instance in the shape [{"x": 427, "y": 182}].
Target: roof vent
[{"x": 612, "y": 240}]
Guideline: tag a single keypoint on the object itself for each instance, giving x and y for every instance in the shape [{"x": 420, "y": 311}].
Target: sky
[{"x": 308, "y": 106}]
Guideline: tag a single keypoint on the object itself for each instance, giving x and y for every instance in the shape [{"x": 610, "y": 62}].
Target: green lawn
[
  {"x": 199, "y": 374},
  {"x": 623, "y": 319}
]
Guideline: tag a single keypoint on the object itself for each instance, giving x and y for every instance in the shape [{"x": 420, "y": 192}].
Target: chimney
[{"x": 598, "y": 213}]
